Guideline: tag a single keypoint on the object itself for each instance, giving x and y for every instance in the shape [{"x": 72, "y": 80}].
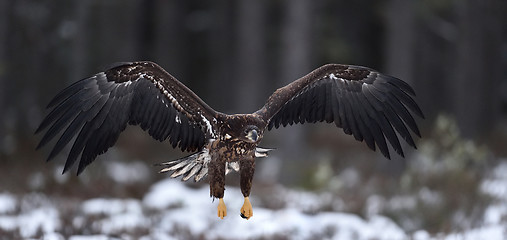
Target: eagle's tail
[
  {"x": 196, "y": 165},
  {"x": 192, "y": 165}
]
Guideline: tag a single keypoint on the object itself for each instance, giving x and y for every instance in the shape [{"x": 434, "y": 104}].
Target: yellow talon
[
  {"x": 246, "y": 210},
  {"x": 222, "y": 210}
]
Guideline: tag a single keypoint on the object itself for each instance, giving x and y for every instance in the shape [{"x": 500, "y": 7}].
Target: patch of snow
[
  {"x": 53, "y": 236},
  {"x": 291, "y": 223},
  {"x": 45, "y": 219},
  {"x": 29, "y": 223},
  {"x": 170, "y": 192},
  {"x": 306, "y": 201},
  {"x": 197, "y": 213},
  {"x": 159, "y": 235},
  {"x": 111, "y": 206},
  {"x": 79, "y": 222},
  {"x": 496, "y": 232},
  {"x": 495, "y": 216},
  {"x": 421, "y": 235},
  {"x": 92, "y": 237},
  {"x": 8, "y": 223},
  {"x": 196, "y": 220},
  {"x": 495, "y": 213},
  {"x": 123, "y": 222},
  {"x": 7, "y": 203},
  {"x": 500, "y": 171},
  {"x": 121, "y": 215},
  {"x": 496, "y": 185}
]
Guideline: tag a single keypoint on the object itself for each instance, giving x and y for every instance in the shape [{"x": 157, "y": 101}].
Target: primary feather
[
  {"x": 367, "y": 104},
  {"x": 98, "y": 109}
]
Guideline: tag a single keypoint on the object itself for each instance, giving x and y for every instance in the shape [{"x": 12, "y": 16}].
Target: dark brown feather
[
  {"x": 98, "y": 109},
  {"x": 364, "y": 103}
]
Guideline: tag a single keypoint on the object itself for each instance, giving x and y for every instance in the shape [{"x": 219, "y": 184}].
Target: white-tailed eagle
[{"x": 367, "y": 104}]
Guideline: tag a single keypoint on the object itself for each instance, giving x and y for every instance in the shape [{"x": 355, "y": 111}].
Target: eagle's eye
[{"x": 252, "y": 135}]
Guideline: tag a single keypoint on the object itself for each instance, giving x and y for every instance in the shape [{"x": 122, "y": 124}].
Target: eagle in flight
[{"x": 367, "y": 104}]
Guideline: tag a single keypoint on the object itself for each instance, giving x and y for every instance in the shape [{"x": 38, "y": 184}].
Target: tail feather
[
  {"x": 189, "y": 165},
  {"x": 196, "y": 165},
  {"x": 192, "y": 172},
  {"x": 202, "y": 173},
  {"x": 184, "y": 169}
]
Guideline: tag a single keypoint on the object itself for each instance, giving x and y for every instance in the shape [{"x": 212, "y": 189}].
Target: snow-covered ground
[{"x": 172, "y": 210}]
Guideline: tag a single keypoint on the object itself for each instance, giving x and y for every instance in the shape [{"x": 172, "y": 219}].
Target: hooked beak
[{"x": 253, "y": 135}]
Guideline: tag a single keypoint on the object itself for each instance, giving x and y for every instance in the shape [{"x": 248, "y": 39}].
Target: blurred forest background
[{"x": 234, "y": 54}]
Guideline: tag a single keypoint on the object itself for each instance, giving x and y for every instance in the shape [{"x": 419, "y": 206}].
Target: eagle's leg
[
  {"x": 216, "y": 174},
  {"x": 247, "y": 169}
]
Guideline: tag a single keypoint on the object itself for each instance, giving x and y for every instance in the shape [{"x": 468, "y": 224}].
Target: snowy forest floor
[
  {"x": 450, "y": 189},
  {"x": 171, "y": 209}
]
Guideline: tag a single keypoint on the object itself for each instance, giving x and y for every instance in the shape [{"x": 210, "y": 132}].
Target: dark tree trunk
[
  {"x": 4, "y": 26},
  {"x": 250, "y": 71},
  {"x": 476, "y": 102},
  {"x": 399, "y": 42},
  {"x": 296, "y": 61},
  {"x": 169, "y": 36},
  {"x": 221, "y": 56},
  {"x": 80, "y": 47}
]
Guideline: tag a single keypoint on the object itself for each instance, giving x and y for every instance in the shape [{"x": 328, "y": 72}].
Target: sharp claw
[{"x": 246, "y": 210}]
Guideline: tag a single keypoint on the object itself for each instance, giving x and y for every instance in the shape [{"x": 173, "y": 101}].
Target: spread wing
[
  {"x": 367, "y": 104},
  {"x": 98, "y": 109}
]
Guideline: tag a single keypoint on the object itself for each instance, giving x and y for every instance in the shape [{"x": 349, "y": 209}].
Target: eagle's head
[
  {"x": 243, "y": 127},
  {"x": 251, "y": 133}
]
